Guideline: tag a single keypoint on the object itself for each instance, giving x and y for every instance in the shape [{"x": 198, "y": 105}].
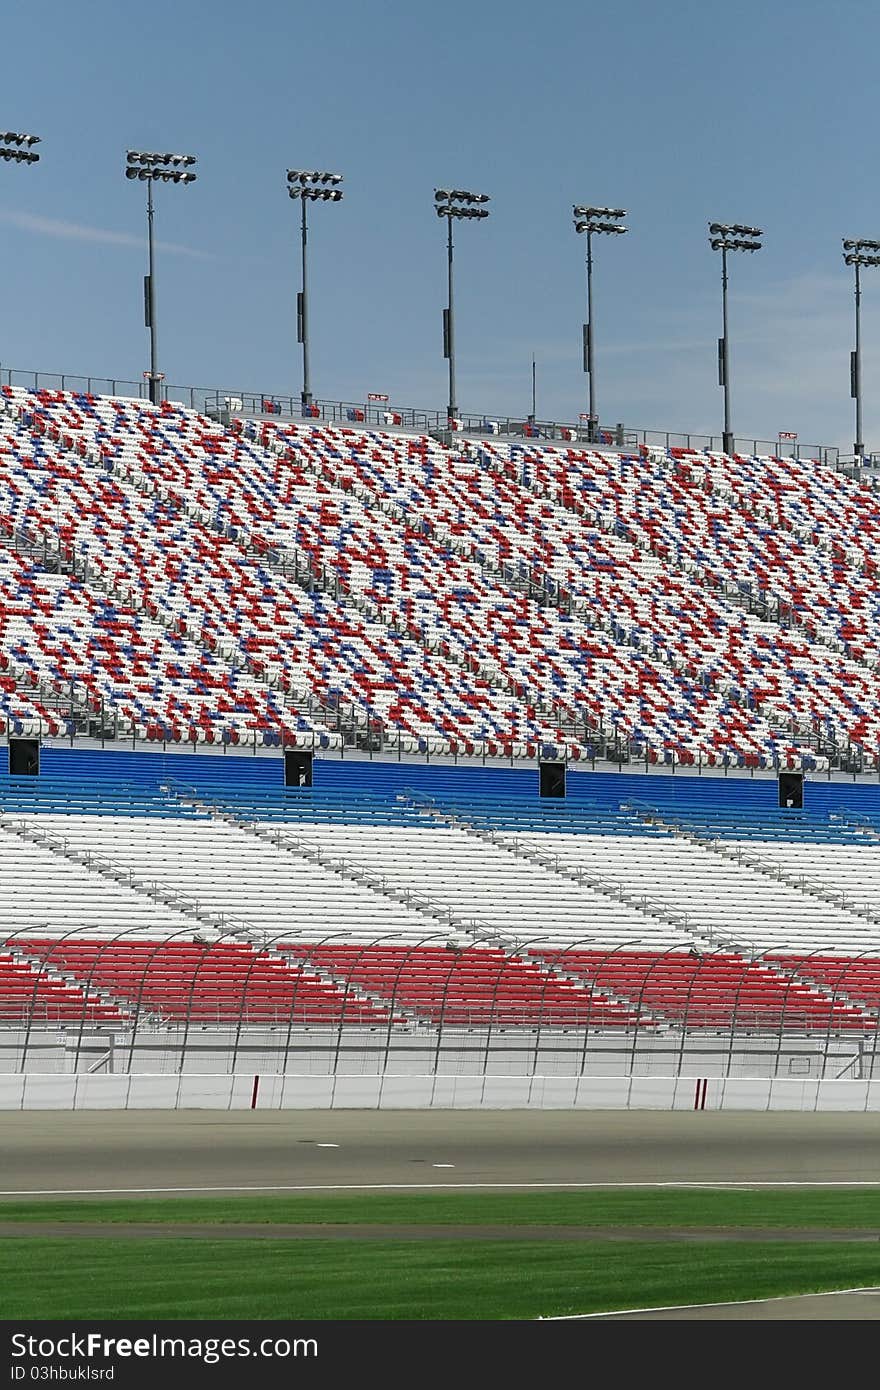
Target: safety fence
[
  {"x": 376, "y": 411},
  {"x": 456, "y": 1001}
]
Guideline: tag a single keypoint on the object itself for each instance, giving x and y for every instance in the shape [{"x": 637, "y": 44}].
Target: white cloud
[{"x": 75, "y": 231}]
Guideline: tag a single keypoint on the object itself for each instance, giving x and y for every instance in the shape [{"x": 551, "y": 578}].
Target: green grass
[
  {"x": 773, "y": 1208},
  {"x": 164, "y": 1276},
  {"x": 76, "y": 1278}
]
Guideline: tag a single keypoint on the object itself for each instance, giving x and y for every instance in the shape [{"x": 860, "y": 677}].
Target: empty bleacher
[
  {"x": 230, "y": 904},
  {"x": 174, "y": 582},
  {"x": 217, "y": 584}
]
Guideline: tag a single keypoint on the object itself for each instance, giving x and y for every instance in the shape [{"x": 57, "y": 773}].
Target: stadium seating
[
  {"x": 309, "y": 909},
  {"x": 169, "y": 579},
  {"x": 500, "y": 600},
  {"x": 714, "y": 991},
  {"x": 31, "y": 995},
  {"x": 217, "y": 984}
]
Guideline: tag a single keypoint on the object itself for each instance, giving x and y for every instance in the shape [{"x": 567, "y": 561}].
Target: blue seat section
[
  {"x": 118, "y": 782},
  {"x": 73, "y": 796},
  {"x": 153, "y": 769}
]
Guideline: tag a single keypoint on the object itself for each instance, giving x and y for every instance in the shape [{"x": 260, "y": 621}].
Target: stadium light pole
[
  {"x": 150, "y": 168},
  {"x": 17, "y": 148},
  {"x": 454, "y": 203},
  {"x": 309, "y": 186},
  {"x": 591, "y": 221},
  {"x": 857, "y": 253},
  {"x": 724, "y": 237}
]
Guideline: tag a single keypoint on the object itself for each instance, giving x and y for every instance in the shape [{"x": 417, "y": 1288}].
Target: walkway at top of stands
[{"x": 224, "y": 404}]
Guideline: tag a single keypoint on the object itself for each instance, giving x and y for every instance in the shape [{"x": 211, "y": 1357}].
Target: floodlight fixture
[
  {"x": 734, "y": 229},
  {"x": 582, "y": 210},
  {"x": 603, "y": 222},
  {"x": 309, "y": 186},
  {"x": 860, "y": 245},
  {"x": 149, "y": 167},
  {"x": 16, "y": 147},
  {"x": 724, "y": 237},
  {"x": 455, "y": 204}
]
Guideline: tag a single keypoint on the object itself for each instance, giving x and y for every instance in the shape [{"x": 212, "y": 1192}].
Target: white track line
[
  {"x": 734, "y": 1185},
  {"x": 674, "y": 1307}
]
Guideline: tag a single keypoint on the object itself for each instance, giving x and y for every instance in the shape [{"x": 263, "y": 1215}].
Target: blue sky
[{"x": 682, "y": 113}]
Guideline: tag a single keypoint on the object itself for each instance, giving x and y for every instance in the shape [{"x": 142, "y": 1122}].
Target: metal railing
[
  {"x": 430, "y": 1004},
  {"x": 223, "y": 403}
]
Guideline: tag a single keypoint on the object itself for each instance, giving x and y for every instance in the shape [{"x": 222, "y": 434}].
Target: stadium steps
[
  {"x": 771, "y": 608},
  {"x": 211, "y": 926},
  {"x": 754, "y": 861},
  {"x": 551, "y": 593},
  {"x": 71, "y": 704},
  {"x": 648, "y": 1016},
  {"x": 52, "y": 558},
  {"x": 471, "y": 929},
  {"x": 92, "y": 993},
  {"x": 647, "y": 907},
  {"x": 545, "y": 591},
  {"x": 540, "y": 591},
  {"x": 758, "y": 604},
  {"x": 799, "y": 882},
  {"x": 117, "y": 873},
  {"x": 302, "y": 702},
  {"x": 292, "y": 564}
]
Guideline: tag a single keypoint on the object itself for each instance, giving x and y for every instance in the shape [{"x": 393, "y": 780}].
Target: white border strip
[
  {"x": 722, "y": 1184},
  {"x": 731, "y": 1303}
]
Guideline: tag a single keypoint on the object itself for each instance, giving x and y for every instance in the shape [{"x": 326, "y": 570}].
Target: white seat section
[
  {"x": 46, "y": 894},
  {"x": 486, "y": 885},
  {"x": 227, "y": 873},
  {"x": 712, "y": 892},
  {"x": 850, "y": 870}
]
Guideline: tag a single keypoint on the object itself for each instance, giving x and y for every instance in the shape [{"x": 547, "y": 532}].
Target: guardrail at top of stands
[{"x": 224, "y": 403}]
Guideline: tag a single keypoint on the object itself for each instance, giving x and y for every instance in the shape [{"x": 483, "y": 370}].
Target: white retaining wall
[{"x": 139, "y": 1090}]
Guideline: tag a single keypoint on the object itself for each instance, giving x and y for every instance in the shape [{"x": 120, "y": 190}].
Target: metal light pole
[
  {"x": 309, "y": 186},
  {"x": 602, "y": 221},
  {"x": 16, "y": 148},
  {"x": 450, "y": 203},
  {"x": 858, "y": 253},
  {"x": 724, "y": 237},
  {"x": 149, "y": 168}
]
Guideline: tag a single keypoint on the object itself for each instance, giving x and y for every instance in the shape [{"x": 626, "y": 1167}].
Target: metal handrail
[{"x": 225, "y": 402}]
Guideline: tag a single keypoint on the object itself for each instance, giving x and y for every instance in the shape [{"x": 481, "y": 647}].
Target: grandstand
[{"x": 284, "y": 689}]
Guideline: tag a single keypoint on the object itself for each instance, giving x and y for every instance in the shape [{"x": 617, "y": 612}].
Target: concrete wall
[{"x": 46, "y": 1091}]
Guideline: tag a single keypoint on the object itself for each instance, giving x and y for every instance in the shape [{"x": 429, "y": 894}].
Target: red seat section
[
  {"x": 717, "y": 990},
  {"x": 31, "y": 993},
  {"x": 220, "y": 984},
  {"x": 475, "y": 985},
  {"x": 842, "y": 977}
]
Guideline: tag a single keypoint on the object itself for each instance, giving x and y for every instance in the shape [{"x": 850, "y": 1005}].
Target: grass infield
[
  {"x": 77, "y": 1277},
  {"x": 778, "y": 1208}
]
